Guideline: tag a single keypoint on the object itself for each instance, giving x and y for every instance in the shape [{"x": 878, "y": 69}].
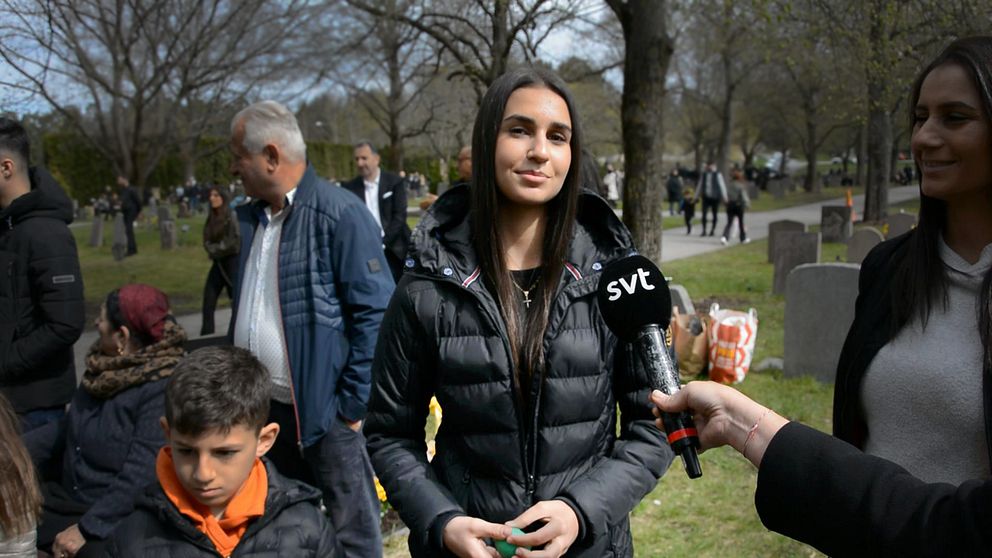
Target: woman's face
[
  {"x": 532, "y": 148},
  {"x": 109, "y": 338},
  {"x": 952, "y": 136},
  {"x": 215, "y": 199}
]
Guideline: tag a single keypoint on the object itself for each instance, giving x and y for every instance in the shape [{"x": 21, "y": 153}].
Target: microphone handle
[{"x": 652, "y": 350}]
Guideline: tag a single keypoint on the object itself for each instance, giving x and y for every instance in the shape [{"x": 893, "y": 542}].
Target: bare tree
[
  {"x": 648, "y": 49},
  {"x": 145, "y": 72},
  {"x": 480, "y": 35}
]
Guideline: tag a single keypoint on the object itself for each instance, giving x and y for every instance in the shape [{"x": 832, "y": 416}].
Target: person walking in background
[
  {"x": 611, "y": 181},
  {"x": 384, "y": 194},
  {"x": 222, "y": 243},
  {"x": 688, "y": 207},
  {"x": 20, "y": 499},
  {"x": 41, "y": 289},
  {"x": 100, "y": 456},
  {"x": 737, "y": 203},
  {"x": 712, "y": 190},
  {"x": 313, "y": 284},
  {"x": 498, "y": 318},
  {"x": 673, "y": 187},
  {"x": 130, "y": 203}
]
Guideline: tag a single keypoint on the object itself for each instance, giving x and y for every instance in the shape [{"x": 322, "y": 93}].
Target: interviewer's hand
[
  {"x": 561, "y": 527},
  {"x": 465, "y": 537},
  {"x": 723, "y": 416}
]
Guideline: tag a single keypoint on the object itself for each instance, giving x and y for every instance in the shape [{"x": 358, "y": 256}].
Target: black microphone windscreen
[{"x": 632, "y": 294}]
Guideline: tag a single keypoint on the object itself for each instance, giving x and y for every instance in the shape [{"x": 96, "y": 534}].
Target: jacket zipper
[
  {"x": 528, "y": 439},
  {"x": 519, "y": 407}
]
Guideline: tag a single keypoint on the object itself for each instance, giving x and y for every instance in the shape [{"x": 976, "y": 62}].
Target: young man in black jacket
[
  {"x": 41, "y": 289},
  {"x": 214, "y": 493}
]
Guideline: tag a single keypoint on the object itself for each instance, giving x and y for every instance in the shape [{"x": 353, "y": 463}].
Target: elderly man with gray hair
[{"x": 313, "y": 286}]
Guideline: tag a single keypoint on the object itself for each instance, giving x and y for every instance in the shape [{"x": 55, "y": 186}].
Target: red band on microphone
[{"x": 679, "y": 434}]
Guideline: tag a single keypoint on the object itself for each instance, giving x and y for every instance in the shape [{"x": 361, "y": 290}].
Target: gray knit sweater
[{"x": 922, "y": 394}]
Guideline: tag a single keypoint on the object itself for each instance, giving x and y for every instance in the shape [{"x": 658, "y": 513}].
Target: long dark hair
[
  {"x": 20, "y": 498},
  {"x": 217, "y": 219},
  {"x": 919, "y": 279},
  {"x": 526, "y": 342}
]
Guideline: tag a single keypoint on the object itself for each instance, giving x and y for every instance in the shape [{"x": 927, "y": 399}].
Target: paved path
[{"x": 675, "y": 245}]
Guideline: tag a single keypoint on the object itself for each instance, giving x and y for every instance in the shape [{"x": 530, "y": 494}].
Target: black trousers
[
  {"x": 689, "y": 211},
  {"x": 339, "y": 466},
  {"x": 132, "y": 245},
  {"x": 223, "y": 274},
  {"x": 735, "y": 211},
  {"x": 710, "y": 204}
]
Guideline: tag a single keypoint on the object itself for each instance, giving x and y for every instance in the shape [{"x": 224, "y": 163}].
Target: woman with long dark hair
[
  {"x": 497, "y": 316},
  {"x": 222, "y": 243},
  {"x": 20, "y": 499},
  {"x": 914, "y": 382}
]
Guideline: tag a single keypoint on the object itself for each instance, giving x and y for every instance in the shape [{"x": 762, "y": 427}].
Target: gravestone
[
  {"x": 861, "y": 242},
  {"x": 899, "y": 223},
  {"x": 680, "y": 298},
  {"x": 789, "y": 183},
  {"x": 819, "y": 309},
  {"x": 96, "y": 233},
  {"x": 753, "y": 191},
  {"x": 776, "y": 227},
  {"x": 793, "y": 249},
  {"x": 777, "y": 188},
  {"x": 119, "y": 245},
  {"x": 166, "y": 228},
  {"x": 835, "y": 223}
]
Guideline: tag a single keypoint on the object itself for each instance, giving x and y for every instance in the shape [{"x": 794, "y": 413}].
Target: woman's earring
[{"x": 120, "y": 349}]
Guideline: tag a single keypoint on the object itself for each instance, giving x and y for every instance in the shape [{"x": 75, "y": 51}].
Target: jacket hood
[
  {"x": 46, "y": 199},
  {"x": 442, "y": 242}
]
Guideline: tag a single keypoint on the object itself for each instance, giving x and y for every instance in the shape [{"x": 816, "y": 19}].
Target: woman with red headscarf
[{"x": 99, "y": 458}]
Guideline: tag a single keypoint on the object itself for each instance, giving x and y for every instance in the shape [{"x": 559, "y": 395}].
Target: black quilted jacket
[
  {"x": 292, "y": 526},
  {"x": 443, "y": 334},
  {"x": 41, "y": 297}
]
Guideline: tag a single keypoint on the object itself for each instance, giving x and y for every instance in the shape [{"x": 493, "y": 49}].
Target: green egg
[{"x": 506, "y": 549}]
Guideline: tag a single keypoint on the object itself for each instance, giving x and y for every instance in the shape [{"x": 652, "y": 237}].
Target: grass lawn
[
  {"x": 714, "y": 516},
  {"x": 180, "y": 273}
]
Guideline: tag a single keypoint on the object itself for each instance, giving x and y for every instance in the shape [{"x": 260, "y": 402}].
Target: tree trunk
[
  {"x": 648, "y": 49},
  {"x": 862, "y": 169},
  {"x": 726, "y": 120},
  {"x": 811, "y": 184},
  {"x": 879, "y": 151}
]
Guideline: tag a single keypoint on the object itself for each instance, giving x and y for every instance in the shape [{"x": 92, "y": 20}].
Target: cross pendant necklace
[{"x": 526, "y": 291}]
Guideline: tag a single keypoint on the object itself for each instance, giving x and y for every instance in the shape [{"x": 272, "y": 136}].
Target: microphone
[{"x": 637, "y": 307}]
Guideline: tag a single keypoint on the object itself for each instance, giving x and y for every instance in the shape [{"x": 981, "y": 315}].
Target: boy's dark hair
[
  {"x": 14, "y": 140},
  {"x": 217, "y": 388}
]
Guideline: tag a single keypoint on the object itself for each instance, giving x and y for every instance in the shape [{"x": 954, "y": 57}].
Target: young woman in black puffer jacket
[{"x": 497, "y": 316}]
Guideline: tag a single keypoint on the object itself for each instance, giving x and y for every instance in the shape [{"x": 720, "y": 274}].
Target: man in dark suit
[
  {"x": 131, "y": 208},
  {"x": 384, "y": 194}
]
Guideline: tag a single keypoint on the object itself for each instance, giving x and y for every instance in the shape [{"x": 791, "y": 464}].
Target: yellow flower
[
  {"x": 379, "y": 490},
  {"x": 435, "y": 409}
]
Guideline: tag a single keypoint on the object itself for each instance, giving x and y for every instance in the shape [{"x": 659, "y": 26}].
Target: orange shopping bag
[{"x": 732, "y": 335}]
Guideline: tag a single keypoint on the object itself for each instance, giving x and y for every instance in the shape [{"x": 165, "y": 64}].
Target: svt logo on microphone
[{"x": 630, "y": 286}]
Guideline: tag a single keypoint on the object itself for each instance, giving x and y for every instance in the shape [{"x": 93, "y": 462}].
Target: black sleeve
[
  {"x": 641, "y": 455},
  {"x": 57, "y": 294},
  {"x": 822, "y": 491},
  {"x": 396, "y": 226},
  {"x": 402, "y": 384}
]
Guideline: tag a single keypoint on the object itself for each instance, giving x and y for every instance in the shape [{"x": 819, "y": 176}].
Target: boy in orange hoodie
[{"x": 215, "y": 495}]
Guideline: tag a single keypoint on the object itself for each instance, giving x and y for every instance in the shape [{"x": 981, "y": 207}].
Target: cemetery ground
[{"x": 711, "y": 516}]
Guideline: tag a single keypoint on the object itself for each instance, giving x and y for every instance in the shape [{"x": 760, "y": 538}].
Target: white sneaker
[
  {"x": 746, "y": 241},
  {"x": 723, "y": 240}
]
